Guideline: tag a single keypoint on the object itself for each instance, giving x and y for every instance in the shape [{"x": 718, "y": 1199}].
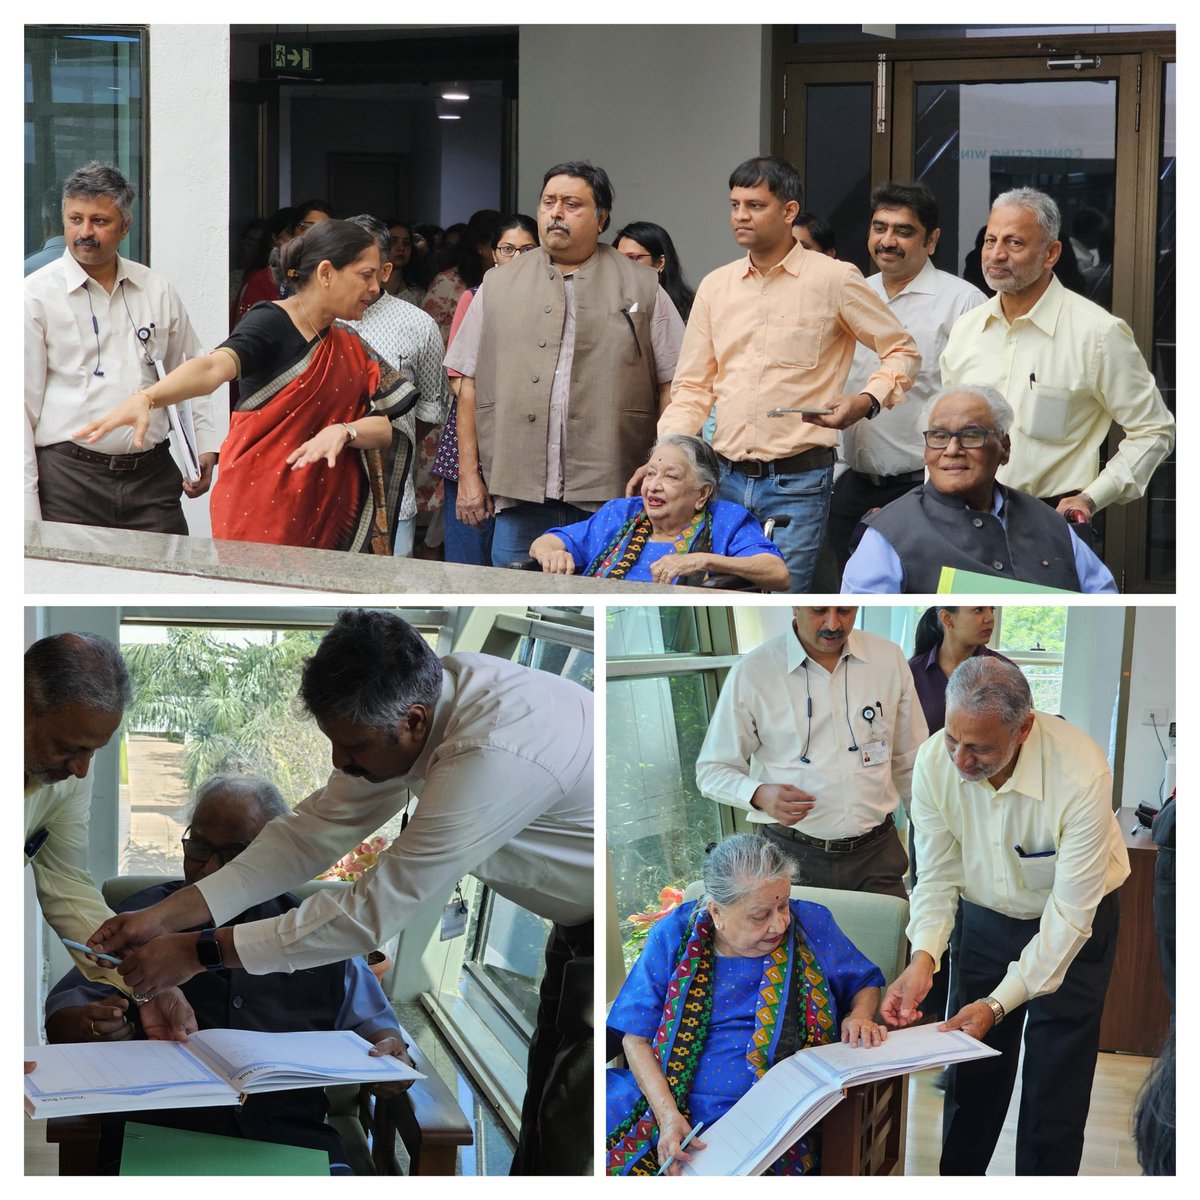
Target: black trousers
[
  {"x": 88, "y": 493},
  {"x": 1062, "y": 1037},
  {"x": 878, "y": 866},
  {"x": 556, "y": 1117},
  {"x": 853, "y": 497}
]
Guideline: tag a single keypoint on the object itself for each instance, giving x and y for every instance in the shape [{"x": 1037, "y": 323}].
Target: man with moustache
[
  {"x": 567, "y": 358},
  {"x": 491, "y": 763},
  {"x": 884, "y": 456},
  {"x": 1013, "y": 813},
  {"x": 96, "y": 324},
  {"x": 76, "y": 691},
  {"x": 814, "y": 736},
  {"x": 777, "y": 330},
  {"x": 1068, "y": 369}
]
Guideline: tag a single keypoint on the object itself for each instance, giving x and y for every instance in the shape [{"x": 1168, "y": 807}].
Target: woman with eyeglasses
[
  {"x": 515, "y": 236},
  {"x": 311, "y": 395},
  {"x": 645, "y": 242}
]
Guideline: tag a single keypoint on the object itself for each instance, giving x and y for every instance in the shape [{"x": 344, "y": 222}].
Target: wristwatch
[
  {"x": 351, "y": 432},
  {"x": 996, "y": 1007},
  {"x": 874, "y": 410},
  {"x": 208, "y": 950}
]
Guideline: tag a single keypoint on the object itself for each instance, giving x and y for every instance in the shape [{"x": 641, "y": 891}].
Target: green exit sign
[{"x": 291, "y": 58}]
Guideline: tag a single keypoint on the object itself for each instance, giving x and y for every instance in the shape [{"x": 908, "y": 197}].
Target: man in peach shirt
[{"x": 777, "y": 329}]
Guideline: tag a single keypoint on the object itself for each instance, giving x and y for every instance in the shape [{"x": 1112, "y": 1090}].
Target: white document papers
[
  {"x": 796, "y": 1093},
  {"x": 180, "y": 423}
]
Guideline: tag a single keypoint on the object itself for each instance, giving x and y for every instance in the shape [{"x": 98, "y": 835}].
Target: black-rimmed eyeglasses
[
  {"x": 198, "y": 850},
  {"x": 507, "y": 250},
  {"x": 970, "y": 438}
]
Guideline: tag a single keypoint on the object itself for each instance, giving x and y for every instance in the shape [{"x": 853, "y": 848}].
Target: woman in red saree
[{"x": 309, "y": 389}]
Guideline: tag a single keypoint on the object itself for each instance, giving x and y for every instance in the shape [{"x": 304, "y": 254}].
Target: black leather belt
[
  {"x": 806, "y": 460},
  {"x": 835, "y": 845},
  {"x": 891, "y": 480},
  {"x": 114, "y": 462}
]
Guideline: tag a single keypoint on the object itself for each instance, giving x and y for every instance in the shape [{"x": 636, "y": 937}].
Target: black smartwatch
[
  {"x": 874, "y": 410},
  {"x": 208, "y": 950}
]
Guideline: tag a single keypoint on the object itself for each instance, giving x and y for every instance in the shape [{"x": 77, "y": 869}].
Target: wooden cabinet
[{"x": 1136, "y": 1011}]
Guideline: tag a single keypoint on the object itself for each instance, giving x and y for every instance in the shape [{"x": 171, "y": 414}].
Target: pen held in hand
[
  {"x": 108, "y": 958},
  {"x": 683, "y": 1145}
]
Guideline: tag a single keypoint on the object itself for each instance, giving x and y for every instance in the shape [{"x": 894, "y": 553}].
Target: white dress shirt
[
  {"x": 505, "y": 787},
  {"x": 63, "y": 351},
  {"x": 70, "y": 900},
  {"x": 1069, "y": 369},
  {"x": 927, "y": 306},
  {"x": 408, "y": 338},
  {"x": 1058, "y": 799},
  {"x": 760, "y": 728}
]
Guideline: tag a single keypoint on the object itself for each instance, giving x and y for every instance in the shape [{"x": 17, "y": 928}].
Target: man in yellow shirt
[{"x": 777, "y": 329}]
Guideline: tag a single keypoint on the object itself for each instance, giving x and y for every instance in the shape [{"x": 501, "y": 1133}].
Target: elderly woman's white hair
[
  {"x": 736, "y": 866},
  {"x": 1001, "y": 410}
]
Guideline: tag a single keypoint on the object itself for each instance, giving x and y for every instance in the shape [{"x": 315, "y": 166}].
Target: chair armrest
[
  {"x": 78, "y": 1141},
  {"x": 525, "y": 564}
]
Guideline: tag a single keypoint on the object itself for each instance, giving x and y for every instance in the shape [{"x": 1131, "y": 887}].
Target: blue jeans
[
  {"x": 470, "y": 544},
  {"x": 802, "y": 496},
  {"x": 519, "y": 526}
]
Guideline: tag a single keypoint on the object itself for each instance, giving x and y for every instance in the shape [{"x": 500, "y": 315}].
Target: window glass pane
[
  {"x": 83, "y": 101},
  {"x": 1036, "y": 639},
  {"x": 658, "y": 823},
  {"x": 649, "y": 630},
  {"x": 512, "y": 955}
]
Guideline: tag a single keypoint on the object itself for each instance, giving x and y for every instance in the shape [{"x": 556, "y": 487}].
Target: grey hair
[
  {"x": 739, "y": 864},
  {"x": 76, "y": 668},
  {"x": 1049, "y": 219},
  {"x": 100, "y": 179},
  {"x": 370, "y": 669},
  {"x": 377, "y": 229},
  {"x": 1001, "y": 410},
  {"x": 986, "y": 686},
  {"x": 262, "y": 791},
  {"x": 701, "y": 457}
]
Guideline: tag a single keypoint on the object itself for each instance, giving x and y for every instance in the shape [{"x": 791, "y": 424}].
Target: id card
[
  {"x": 874, "y": 753},
  {"x": 454, "y": 919}
]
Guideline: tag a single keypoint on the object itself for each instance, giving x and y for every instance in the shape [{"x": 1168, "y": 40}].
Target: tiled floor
[
  {"x": 490, "y": 1155},
  {"x": 1108, "y": 1147}
]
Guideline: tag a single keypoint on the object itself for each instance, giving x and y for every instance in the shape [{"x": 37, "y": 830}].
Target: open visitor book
[
  {"x": 216, "y": 1066},
  {"x": 796, "y": 1093}
]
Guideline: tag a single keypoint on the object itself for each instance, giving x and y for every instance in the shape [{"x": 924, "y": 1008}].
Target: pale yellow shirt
[
  {"x": 1059, "y": 798},
  {"x": 70, "y": 901},
  {"x": 781, "y": 339},
  {"x": 1069, "y": 369}
]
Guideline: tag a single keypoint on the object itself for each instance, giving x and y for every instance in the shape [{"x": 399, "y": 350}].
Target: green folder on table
[
  {"x": 156, "y": 1150},
  {"x": 954, "y": 581}
]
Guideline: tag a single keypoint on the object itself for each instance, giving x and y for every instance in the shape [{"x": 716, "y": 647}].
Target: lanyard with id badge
[
  {"x": 876, "y": 751},
  {"x": 454, "y": 915}
]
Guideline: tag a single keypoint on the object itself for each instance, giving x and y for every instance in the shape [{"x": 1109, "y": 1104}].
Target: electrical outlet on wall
[{"x": 1155, "y": 715}]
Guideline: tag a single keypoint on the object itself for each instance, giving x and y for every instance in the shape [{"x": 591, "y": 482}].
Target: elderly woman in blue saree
[
  {"x": 725, "y": 988},
  {"x": 672, "y": 529}
]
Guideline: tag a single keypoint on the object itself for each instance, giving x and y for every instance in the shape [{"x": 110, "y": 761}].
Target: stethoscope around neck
[
  {"x": 868, "y": 713},
  {"x": 143, "y": 333}
]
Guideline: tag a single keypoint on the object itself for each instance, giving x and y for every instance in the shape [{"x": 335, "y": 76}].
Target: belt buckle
[
  {"x": 123, "y": 462},
  {"x": 753, "y": 469}
]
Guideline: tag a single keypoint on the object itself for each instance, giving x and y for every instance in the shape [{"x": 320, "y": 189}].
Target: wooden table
[{"x": 1137, "y": 1013}]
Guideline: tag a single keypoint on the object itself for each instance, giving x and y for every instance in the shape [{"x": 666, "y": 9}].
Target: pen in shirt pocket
[{"x": 1040, "y": 854}]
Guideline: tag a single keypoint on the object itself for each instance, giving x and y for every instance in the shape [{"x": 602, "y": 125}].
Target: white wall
[
  {"x": 1151, "y": 682},
  {"x": 667, "y": 110},
  {"x": 189, "y": 187}
]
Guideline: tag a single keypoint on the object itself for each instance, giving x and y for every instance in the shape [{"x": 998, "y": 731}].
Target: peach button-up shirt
[{"x": 785, "y": 338}]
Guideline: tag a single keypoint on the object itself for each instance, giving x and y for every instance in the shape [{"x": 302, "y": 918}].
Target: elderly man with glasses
[
  {"x": 229, "y": 813},
  {"x": 961, "y": 518}
]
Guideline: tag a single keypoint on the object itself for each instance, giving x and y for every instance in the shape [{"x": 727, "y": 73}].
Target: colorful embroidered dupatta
[
  {"x": 257, "y": 496},
  {"x": 795, "y": 1011}
]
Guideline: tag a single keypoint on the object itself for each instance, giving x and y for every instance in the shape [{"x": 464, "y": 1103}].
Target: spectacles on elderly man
[
  {"x": 198, "y": 850},
  {"x": 970, "y": 438}
]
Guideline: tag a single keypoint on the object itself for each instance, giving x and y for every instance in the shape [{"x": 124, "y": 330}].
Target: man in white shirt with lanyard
[
  {"x": 1013, "y": 813},
  {"x": 886, "y": 457},
  {"x": 500, "y": 758},
  {"x": 97, "y": 327},
  {"x": 814, "y": 735}
]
